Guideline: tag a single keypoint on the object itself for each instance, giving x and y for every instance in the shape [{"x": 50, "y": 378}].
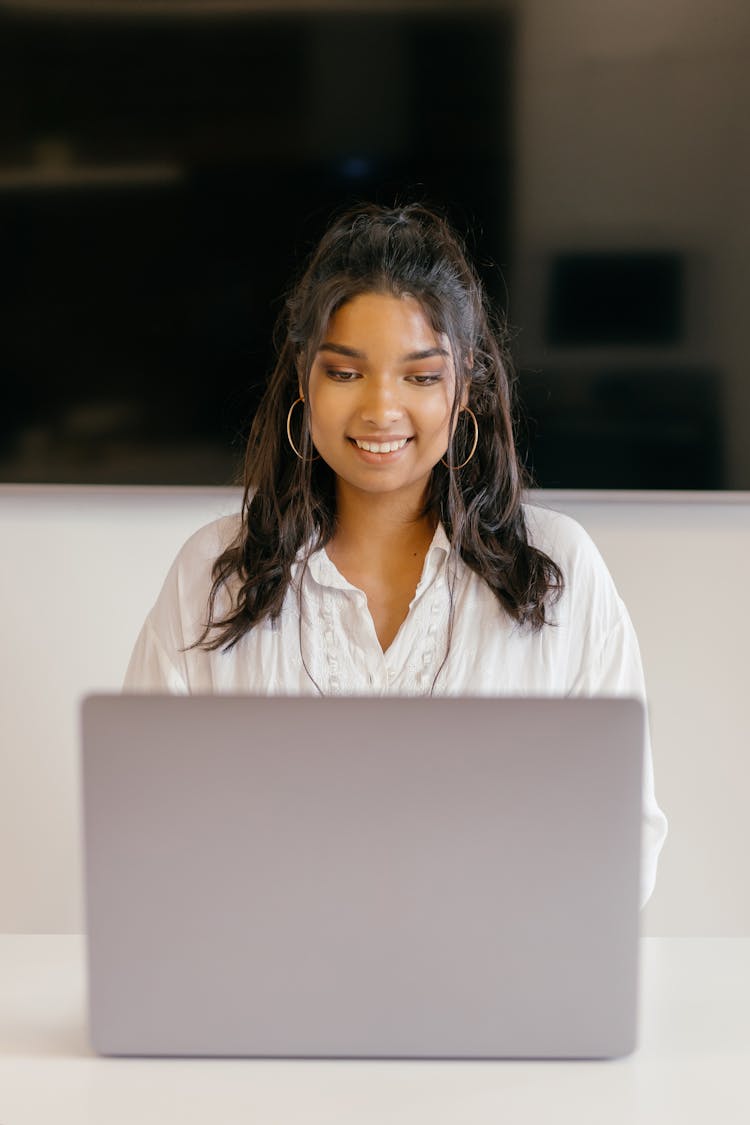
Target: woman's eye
[
  {"x": 341, "y": 376},
  {"x": 426, "y": 379}
]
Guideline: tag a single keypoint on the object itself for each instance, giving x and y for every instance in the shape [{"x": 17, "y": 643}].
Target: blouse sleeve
[
  {"x": 606, "y": 660},
  {"x": 164, "y": 657},
  {"x": 151, "y": 668},
  {"x": 617, "y": 670}
]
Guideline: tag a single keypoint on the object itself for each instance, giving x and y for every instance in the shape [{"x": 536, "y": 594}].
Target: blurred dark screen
[
  {"x": 164, "y": 171},
  {"x": 163, "y": 180},
  {"x": 621, "y": 299}
]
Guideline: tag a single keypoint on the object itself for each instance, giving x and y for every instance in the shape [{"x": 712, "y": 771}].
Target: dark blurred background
[{"x": 165, "y": 167}]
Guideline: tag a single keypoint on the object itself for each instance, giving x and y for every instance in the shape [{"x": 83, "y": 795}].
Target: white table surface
[{"x": 692, "y": 1064}]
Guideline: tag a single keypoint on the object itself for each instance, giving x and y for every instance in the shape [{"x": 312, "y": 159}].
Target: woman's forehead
[{"x": 386, "y": 317}]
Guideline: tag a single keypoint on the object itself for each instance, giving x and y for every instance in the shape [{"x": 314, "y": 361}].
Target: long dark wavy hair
[{"x": 289, "y": 504}]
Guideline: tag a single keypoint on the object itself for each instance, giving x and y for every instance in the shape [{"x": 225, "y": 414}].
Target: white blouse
[{"x": 325, "y": 639}]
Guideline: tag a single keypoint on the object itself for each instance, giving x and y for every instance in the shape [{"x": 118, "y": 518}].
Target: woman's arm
[{"x": 151, "y": 666}]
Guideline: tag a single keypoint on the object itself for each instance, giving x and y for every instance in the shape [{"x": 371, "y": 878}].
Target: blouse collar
[{"x": 325, "y": 573}]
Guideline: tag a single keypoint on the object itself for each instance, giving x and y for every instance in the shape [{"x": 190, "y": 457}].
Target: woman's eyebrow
[
  {"x": 342, "y": 349},
  {"x": 427, "y": 353}
]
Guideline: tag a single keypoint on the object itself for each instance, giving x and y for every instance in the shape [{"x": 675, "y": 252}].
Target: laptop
[{"x": 362, "y": 877}]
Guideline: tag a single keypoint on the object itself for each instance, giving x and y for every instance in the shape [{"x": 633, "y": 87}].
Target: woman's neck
[
  {"x": 379, "y": 546},
  {"x": 381, "y": 528}
]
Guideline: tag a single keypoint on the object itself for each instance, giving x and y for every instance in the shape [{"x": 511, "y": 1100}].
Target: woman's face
[{"x": 381, "y": 390}]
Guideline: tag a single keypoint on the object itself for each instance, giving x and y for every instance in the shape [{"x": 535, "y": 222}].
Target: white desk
[{"x": 692, "y": 1066}]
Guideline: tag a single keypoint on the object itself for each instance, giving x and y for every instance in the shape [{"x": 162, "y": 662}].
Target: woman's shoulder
[
  {"x": 569, "y": 545},
  {"x": 191, "y": 574},
  {"x": 177, "y": 619},
  {"x": 556, "y": 533},
  {"x": 208, "y": 542}
]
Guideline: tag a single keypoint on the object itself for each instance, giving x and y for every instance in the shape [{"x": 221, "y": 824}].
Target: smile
[{"x": 380, "y": 446}]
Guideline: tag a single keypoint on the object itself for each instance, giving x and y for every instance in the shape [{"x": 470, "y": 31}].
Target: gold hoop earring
[
  {"x": 289, "y": 431},
  {"x": 453, "y": 468}
]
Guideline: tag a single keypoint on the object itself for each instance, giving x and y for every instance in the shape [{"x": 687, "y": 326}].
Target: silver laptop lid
[{"x": 383, "y": 877}]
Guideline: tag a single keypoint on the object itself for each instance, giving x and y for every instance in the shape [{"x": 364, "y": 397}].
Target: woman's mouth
[{"x": 380, "y": 446}]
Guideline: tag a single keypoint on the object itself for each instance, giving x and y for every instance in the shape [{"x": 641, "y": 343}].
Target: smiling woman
[
  {"x": 385, "y": 339},
  {"x": 380, "y": 411},
  {"x": 383, "y": 544},
  {"x": 381, "y": 389}
]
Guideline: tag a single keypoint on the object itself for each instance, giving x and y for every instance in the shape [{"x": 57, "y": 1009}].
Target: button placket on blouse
[
  {"x": 429, "y": 651},
  {"x": 375, "y": 661},
  {"x": 410, "y": 662},
  {"x": 348, "y": 626},
  {"x": 329, "y": 642},
  {"x": 354, "y": 658}
]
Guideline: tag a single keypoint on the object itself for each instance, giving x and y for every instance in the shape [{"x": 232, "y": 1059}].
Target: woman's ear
[{"x": 299, "y": 363}]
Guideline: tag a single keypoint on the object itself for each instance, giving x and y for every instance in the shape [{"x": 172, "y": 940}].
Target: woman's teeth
[{"x": 381, "y": 446}]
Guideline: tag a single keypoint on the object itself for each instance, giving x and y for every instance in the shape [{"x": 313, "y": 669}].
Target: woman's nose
[{"x": 380, "y": 403}]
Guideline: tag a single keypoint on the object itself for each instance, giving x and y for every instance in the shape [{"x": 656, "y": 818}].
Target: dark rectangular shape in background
[{"x": 161, "y": 178}]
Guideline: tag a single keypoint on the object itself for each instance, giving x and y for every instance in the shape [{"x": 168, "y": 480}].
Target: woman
[{"x": 383, "y": 546}]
